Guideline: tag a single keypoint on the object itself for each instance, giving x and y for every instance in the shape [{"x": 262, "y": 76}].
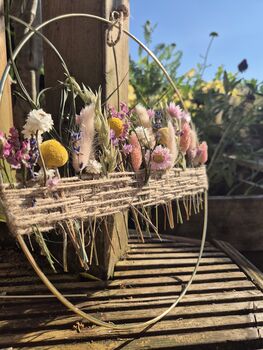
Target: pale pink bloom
[
  {"x": 186, "y": 117},
  {"x": 136, "y": 153},
  {"x": 160, "y": 158},
  {"x": 185, "y": 138},
  {"x": 52, "y": 183},
  {"x": 151, "y": 113},
  {"x": 202, "y": 153},
  {"x": 174, "y": 110}
]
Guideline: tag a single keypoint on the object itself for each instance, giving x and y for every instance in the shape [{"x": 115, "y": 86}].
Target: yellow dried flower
[
  {"x": 116, "y": 125},
  {"x": 164, "y": 136},
  {"x": 54, "y": 154}
]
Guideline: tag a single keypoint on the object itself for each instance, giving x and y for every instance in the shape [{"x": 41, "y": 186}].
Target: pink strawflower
[
  {"x": 202, "y": 154},
  {"x": 136, "y": 153},
  {"x": 127, "y": 149},
  {"x": 160, "y": 158},
  {"x": 185, "y": 138},
  {"x": 174, "y": 110}
]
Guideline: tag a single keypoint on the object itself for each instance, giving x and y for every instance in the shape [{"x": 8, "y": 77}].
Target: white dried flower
[
  {"x": 143, "y": 116},
  {"x": 39, "y": 176},
  {"x": 37, "y": 120},
  {"x": 93, "y": 167},
  {"x": 145, "y": 136}
]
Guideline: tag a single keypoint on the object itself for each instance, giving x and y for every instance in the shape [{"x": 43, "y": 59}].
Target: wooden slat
[
  {"x": 139, "y": 281},
  {"x": 252, "y": 271},
  {"x": 125, "y": 264}
]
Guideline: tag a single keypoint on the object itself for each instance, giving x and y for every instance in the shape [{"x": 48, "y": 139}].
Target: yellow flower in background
[
  {"x": 190, "y": 74},
  {"x": 216, "y": 85},
  {"x": 116, "y": 125},
  {"x": 132, "y": 98},
  {"x": 188, "y": 104},
  {"x": 54, "y": 154}
]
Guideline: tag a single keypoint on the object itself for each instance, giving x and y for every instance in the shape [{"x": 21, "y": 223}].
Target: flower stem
[{"x": 41, "y": 159}]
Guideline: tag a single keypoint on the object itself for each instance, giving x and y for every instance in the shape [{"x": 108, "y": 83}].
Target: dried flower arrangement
[{"x": 118, "y": 159}]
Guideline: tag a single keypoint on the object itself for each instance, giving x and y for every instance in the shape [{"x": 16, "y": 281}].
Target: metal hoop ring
[{"x": 20, "y": 238}]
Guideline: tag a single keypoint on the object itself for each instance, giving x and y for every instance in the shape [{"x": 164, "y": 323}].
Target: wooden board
[
  {"x": 230, "y": 219},
  {"x": 82, "y": 44},
  {"x": 222, "y": 310},
  {"x": 6, "y": 117}
]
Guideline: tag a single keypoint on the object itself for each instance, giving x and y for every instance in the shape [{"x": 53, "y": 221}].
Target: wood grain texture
[
  {"x": 232, "y": 219},
  {"x": 6, "y": 116},
  {"x": 223, "y": 309},
  {"x": 82, "y": 44}
]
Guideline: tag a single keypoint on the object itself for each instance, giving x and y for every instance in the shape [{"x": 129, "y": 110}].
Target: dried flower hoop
[{"x": 20, "y": 238}]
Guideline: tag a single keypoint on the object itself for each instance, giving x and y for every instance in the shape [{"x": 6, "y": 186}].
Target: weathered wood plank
[
  {"x": 50, "y": 320},
  {"x": 145, "y": 256},
  {"x": 230, "y": 219},
  {"x": 95, "y": 293},
  {"x": 90, "y": 61},
  {"x": 171, "y": 262},
  {"x": 19, "y": 307},
  {"x": 6, "y": 114},
  {"x": 139, "y": 281},
  {"x": 163, "y": 328},
  {"x": 252, "y": 272}
]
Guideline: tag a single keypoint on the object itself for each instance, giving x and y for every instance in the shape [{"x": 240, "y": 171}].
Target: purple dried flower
[{"x": 127, "y": 149}]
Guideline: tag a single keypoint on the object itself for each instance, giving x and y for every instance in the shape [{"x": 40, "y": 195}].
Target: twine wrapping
[{"x": 83, "y": 199}]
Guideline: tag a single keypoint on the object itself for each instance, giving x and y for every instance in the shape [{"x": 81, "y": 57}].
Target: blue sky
[{"x": 188, "y": 23}]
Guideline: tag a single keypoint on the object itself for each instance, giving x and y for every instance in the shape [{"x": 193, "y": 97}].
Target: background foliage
[{"x": 227, "y": 112}]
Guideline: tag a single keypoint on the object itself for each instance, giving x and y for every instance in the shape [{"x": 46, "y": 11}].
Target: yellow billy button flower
[
  {"x": 116, "y": 125},
  {"x": 54, "y": 154}
]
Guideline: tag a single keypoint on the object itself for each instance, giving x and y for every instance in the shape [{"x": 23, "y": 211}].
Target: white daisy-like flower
[
  {"x": 37, "y": 120},
  {"x": 93, "y": 167}
]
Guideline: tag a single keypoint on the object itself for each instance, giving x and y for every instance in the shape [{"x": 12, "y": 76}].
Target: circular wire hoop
[{"x": 20, "y": 238}]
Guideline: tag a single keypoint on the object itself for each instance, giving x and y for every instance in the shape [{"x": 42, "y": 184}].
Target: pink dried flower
[
  {"x": 52, "y": 183},
  {"x": 192, "y": 150},
  {"x": 160, "y": 158},
  {"x": 136, "y": 153},
  {"x": 174, "y": 110},
  {"x": 186, "y": 117},
  {"x": 185, "y": 138},
  {"x": 202, "y": 154},
  {"x": 13, "y": 150},
  {"x": 151, "y": 113}
]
